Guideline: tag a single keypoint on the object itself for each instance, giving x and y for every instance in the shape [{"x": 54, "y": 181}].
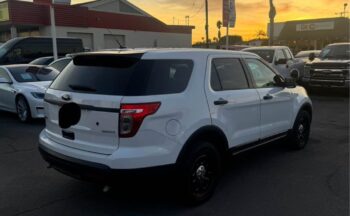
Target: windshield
[
  {"x": 124, "y": 75},
  {"x": 32, "y": 74},
  {"x": 336, "y": 52},
  {"x": 267, "y": 55},
  {"x": 7, "y": 46}
]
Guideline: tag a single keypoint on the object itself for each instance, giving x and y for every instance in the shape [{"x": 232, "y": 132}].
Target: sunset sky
[{"x": 252, "y": 15}]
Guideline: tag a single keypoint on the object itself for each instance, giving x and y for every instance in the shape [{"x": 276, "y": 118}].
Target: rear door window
[
  {"x": 228, "y": 74},
  {"x": 127, "y": 75}
]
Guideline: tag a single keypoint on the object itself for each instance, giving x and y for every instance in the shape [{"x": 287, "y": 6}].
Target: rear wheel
[
  {"x": 23, "y": 109},
  {"x": 200, "y": 170},
  {"x": 299, "y": 136}
]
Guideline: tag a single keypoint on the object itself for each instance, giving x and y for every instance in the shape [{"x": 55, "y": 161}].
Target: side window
[
  {"x": 35, "y": 48},
  {"x": 288, "y": 54},
  {"x": 4, "y": 74},
  {"x": 263, "y": 75},
  {"x": 280, "y": 55},
  {"x": 60, "y": 64},
  {"x": 228, "y": 74}
]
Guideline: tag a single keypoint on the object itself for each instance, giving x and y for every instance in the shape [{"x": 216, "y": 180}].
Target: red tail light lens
[{"x": 132, "y": 115}]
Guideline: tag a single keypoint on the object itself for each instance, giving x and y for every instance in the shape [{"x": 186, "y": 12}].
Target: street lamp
[
  {"x": 345, "y": 5},
  {"x": 272, "y": 15}
]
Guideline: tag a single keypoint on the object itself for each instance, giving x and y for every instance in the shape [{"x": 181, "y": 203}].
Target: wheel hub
[
  {"x": 301, "y": 129},
  {"x": 201, "y": 171}
]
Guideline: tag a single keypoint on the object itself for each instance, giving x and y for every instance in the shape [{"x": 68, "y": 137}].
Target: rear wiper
[{"x": 82, "y": 88}]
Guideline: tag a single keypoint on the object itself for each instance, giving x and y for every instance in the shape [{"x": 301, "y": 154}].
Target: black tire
[
  {"x": 199, "y": 172},
  {"x": 23, "y": 109},
  {"x": 299, "y": 136}
]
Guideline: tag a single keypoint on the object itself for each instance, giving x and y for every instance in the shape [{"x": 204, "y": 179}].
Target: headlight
[
  {"x": 38, "y": 95},
  {"x": 307, "y": 71}
]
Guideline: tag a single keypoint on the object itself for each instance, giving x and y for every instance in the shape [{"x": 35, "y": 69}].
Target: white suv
[{"x": 181, "y": 108}]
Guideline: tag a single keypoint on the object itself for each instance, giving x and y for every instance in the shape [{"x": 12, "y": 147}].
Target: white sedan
[{"x": 22, "y": 89}]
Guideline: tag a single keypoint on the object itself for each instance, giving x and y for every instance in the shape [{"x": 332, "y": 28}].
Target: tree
[
  {"x": 219, "y": 25},
  {"x": 261, "y": 34}
]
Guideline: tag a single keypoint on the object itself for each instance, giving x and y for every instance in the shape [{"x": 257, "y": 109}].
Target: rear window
[
  {"x": 124, "y": 75},
  {"x": 267, "y": 54},
  {"x": 32, "y": 74}
]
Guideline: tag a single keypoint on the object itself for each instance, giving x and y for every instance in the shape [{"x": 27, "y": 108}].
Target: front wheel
[
  {"x": 200, "y": 170},
  {"x": 23, "y": 109},
  {"x": 299, "y": 136}
]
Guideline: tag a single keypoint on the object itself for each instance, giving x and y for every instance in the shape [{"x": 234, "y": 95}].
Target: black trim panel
[
  {"x": 90, "y": 171},
  {"x": 242, "y": 148},
  {"x": 84, "y": 107}
]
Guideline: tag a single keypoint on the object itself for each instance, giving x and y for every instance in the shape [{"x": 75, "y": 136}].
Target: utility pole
[
  {"x": 272, "y": 15},
  {"x": 53, "y": 31},
  {"x": 206, "y": 25}
]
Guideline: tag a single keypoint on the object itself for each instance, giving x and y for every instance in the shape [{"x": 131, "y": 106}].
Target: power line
[
  {"x": 199, "y": 10},
  {"x": 193, "y": 4}
]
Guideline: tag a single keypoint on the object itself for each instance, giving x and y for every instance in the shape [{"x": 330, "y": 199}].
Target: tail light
[{"x": 132, "y": 115}]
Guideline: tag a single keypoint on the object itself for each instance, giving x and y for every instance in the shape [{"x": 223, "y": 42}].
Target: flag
[{"x": 229, "y": 13}]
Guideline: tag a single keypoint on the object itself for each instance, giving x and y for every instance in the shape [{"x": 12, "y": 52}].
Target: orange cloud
[{"x": 252, "y": 15}]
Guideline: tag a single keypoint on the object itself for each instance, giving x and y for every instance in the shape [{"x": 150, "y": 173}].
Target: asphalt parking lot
[{"x": 271, "y": 180}]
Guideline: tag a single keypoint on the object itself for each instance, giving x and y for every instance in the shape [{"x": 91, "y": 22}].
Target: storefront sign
[
  {"x": 4, "y": 12},
  {"x": 315, "y": 26},
  {"x": 229, "y": 13}
]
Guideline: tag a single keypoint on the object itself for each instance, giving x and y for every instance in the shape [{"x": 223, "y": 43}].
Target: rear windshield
[
  {"x": 124, "y": 75},
  {"x": 32, "y": 74},
  {"x": 267, "y": 54}
]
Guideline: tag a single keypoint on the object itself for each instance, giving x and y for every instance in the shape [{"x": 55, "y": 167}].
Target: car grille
[
  {"x": 331, "y": 75},
  {"x": 330, "y": 66}
]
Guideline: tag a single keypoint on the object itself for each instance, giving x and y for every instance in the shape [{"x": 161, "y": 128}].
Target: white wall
[{"x": 133, "y": 39}]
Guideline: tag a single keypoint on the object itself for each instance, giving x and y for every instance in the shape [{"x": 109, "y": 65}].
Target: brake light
[{"x": 132, "y": 115}]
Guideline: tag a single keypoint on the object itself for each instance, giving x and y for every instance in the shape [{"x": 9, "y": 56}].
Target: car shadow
[{"x": 12, "y": 117}]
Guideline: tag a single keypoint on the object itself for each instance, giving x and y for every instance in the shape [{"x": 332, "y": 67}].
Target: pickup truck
[
  {"x": 280, "y": 58},
  {"x": 331, "y": 69}
]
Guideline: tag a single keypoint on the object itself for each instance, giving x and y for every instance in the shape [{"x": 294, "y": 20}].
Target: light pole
[
  {"x": 53, "y": 32},
  {"x": 206, "y": 25},
  {"x": 272, "y": 15}
]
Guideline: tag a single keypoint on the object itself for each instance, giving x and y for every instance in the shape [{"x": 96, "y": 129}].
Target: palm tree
[
  {"x": 219, "y": 25},
  {"x": 261, "y": 34}
]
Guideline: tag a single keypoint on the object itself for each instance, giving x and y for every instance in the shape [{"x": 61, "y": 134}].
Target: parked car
[
  {"x": 180, "y": 109},
  {"x": 331, "y": 69},
  {"x": 25, "y": 49},
  {"x": 60, "y": 64},
  {"x": 304, "y": 55},
  {"x": 279, "y": 58},
  {"x": 22, "y": 89},
  {"x": 42, "y": 61}
]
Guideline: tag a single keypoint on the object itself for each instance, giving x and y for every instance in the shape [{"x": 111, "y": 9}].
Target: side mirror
[
  {"x": 280, "y": 61},
  {"x": 4, "y": 81},
  {"x": 312, "y": 56},
  {"x": 284, "y": 83},
  {"x": 294, "y": 74}
]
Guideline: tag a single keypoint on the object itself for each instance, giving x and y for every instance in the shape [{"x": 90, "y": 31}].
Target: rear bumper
[
  {"x": 324, "y": 83},
  {"x": 90, "y": 171},
  {"x": 123, "y": 158}
]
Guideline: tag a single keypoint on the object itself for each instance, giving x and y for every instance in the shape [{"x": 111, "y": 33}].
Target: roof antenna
[{"x": 116, "y": 40}]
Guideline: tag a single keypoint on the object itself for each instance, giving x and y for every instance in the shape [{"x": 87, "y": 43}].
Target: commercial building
[
  {"x": 311, "y": 34},
  {"x": 101, "y": 24}
]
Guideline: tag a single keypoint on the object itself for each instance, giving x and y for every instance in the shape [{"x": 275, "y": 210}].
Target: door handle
[
  {"x": 221, "y": 101},
  {"x": 268, "y": 97}
]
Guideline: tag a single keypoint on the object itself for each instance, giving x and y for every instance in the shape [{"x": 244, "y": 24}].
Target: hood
[
  {"x": 326, "y": 61},
  {"x": 39, "y": 86}
]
